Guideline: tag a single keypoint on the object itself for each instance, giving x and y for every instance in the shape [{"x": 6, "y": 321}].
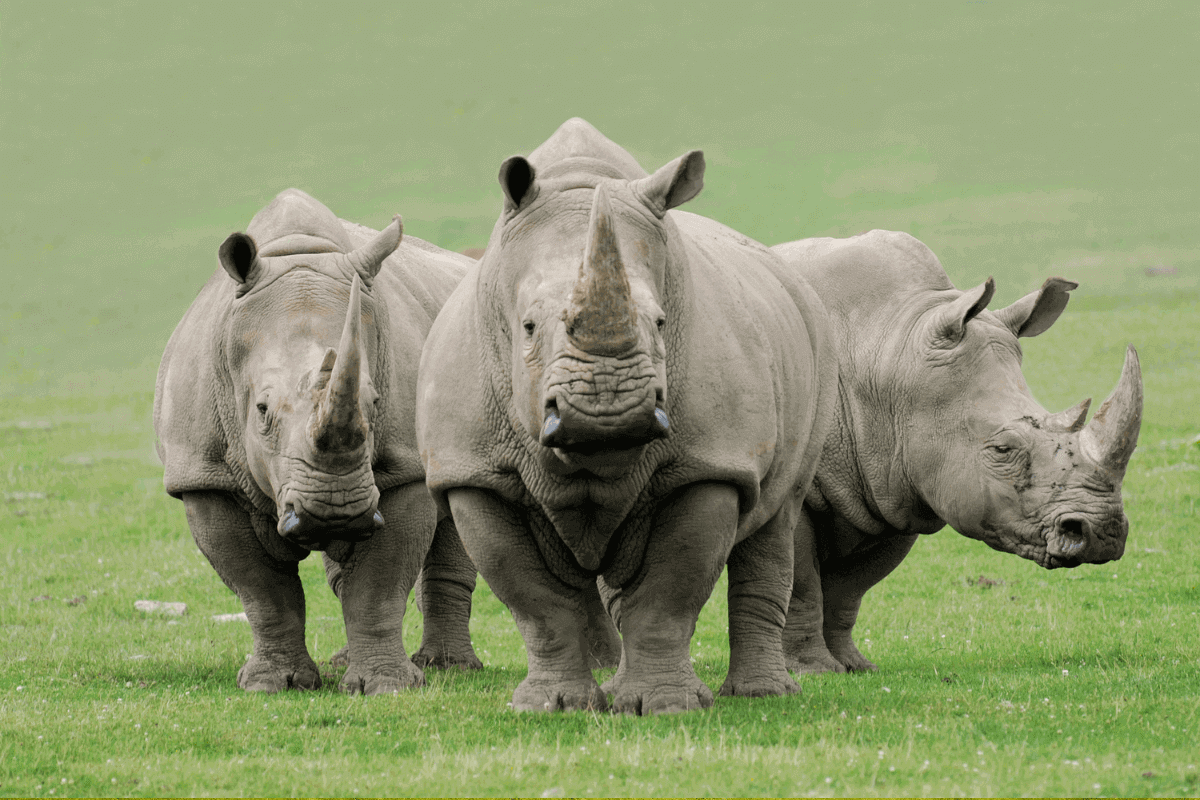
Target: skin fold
[{"x": 284, "y": 417}]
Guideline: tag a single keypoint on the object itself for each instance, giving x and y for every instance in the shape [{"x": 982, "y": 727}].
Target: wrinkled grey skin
[
  {"x": 624, "y": 398},
  {"x": 936, "y": 426},
  {"x": 284, "y": 415}
]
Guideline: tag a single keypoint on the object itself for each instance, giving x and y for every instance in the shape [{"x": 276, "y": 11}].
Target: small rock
[
  {"x": 161, "y": 607},
  {"x": 14, "y": 497},
  {"x": 239, "y": 617},
  {"x": 74, "y": 601}
]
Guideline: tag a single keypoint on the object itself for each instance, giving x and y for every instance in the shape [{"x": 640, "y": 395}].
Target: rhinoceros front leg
[
  {"x": 844, "y": 581},
  {"x": 760, "y": 585},
  {"x": 373, "y": 584},
  {"x": 550, "y": 614},
  {"x": 656, "y": 613},
  {"x": 443, "y": 593},
  {"x": 269, "y": 589},
  {"x": 804, "y": 648}
]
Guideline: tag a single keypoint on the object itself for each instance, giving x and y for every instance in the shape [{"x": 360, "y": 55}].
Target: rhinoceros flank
[
  {"x": 937, "y": 426},
  {"x": 631, "y": 394},
  {"x": 284, "y": 416}
]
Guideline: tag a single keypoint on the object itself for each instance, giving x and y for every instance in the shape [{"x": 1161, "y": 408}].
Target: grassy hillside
[{"x": 1017, "y": 140}]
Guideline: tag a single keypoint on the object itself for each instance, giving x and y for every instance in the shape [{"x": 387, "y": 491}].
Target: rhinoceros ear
[
  {"x": 951, "y": 322},
  {"x": 674, "y": 184},
  {"x": 239, "y": 256},
  {"x": 1037, "y": 311},
  {"x": 516, "y": 179}
]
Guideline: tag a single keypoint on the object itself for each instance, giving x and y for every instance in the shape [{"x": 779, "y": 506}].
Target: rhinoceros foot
[
  {"x": 842, "y": 647},
  {"x": 811, "y": 659},
  {"x": 340, "y": 659},
  {"x": 361, "y": 679},
  {"x": 261, "y": 674},
  {"x": 758, "y": 686},
  {"x": 643, "y": 697},
  {"x": 445, "y": 657},
  {"x": 582, "y": 694}
]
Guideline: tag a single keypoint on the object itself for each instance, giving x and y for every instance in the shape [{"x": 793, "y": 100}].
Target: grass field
[{"x": 1015, "y": 139}]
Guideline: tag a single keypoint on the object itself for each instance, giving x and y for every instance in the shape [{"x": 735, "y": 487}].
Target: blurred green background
[{"x": 1016, "y": 139}]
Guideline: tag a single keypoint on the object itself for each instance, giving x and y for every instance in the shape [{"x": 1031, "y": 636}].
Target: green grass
[{"x": 1017, "y": 140}]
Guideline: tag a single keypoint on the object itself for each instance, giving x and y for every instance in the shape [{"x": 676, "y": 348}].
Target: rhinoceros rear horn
[
  {"x": 601, "y": 317},
  {"x": 368, "y": 259},
  {"x": 1036, "y": 312},
  {"x": 1110, "y": 438},
  {"x": 674, "y": 184},
  {"x": 238, "y": 255},
  {"x": 338, "y": 424},
  {"x": 1070, "y": 420},
  {"x": 951, "y": 322}
]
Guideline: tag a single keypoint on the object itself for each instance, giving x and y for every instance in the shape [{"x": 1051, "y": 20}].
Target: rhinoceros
[
  {"x": 284, "y": 416},
  {"x": 935, "y": 426},
  {"x": 629, "y": 394}
]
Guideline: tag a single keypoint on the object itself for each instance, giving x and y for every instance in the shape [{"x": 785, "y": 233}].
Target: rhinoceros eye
[
  {"x": 529, "y": 327},
  {"x": 661, "y": 322},
  {"x": 262, "y": 409}
]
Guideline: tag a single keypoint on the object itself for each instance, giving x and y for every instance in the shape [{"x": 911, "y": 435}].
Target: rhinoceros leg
[
  {"x": 603, "y": 643},
  {"x": 760, "y": 585},
  {"x": 656, "y": 613},
  {"x": 443, "y": 592},
  {"x": 550, "y": 614},
  {"x": 844, "y": 581},
  {"x": 804, "y": 646},
  {"x": 268, "y": 587},
  {"x": 373, "y": 584}
]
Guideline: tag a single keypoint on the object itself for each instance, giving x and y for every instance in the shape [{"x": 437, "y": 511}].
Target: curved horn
[
  {"x": 368, "y": 259},
  {"x": 1071, "y": 420},
  {"x": 338, "y": 423},
  {"x": 601, "y": 316},
  {"x": 1111, "y": 436}
]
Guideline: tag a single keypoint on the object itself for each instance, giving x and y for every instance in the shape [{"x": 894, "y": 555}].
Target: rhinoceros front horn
[
  {"x": 1111, "y": 436},
  {"x": 338, "y": 423},
  {"x": 601, "y": 317}
]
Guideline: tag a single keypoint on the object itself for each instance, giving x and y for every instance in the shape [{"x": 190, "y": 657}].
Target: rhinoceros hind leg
[
  {"x": 269, "y": 588},
  {"x": 844, "y": 582},
  {"x": 600, "y": 636},
  {"x": 760, "y": 586},
  {"x": 804, "y": 648},
  {"x": 443, "y": 593}
]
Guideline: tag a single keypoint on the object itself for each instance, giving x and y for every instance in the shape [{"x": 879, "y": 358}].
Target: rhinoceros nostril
[{"x": 1074, "y": 529}]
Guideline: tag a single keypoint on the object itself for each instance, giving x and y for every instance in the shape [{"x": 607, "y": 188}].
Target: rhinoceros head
[
  {"x": 578, "y": 267},
  {"x": 300, "y": 348},
  {"x": 987, "y": 458}
]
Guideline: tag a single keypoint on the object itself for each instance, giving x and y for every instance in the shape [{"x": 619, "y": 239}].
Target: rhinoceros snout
[
  {"x": 298, "y": 526},
  {"x": 568, "y": 429},
  {"x": 1076, "y": 540}
]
